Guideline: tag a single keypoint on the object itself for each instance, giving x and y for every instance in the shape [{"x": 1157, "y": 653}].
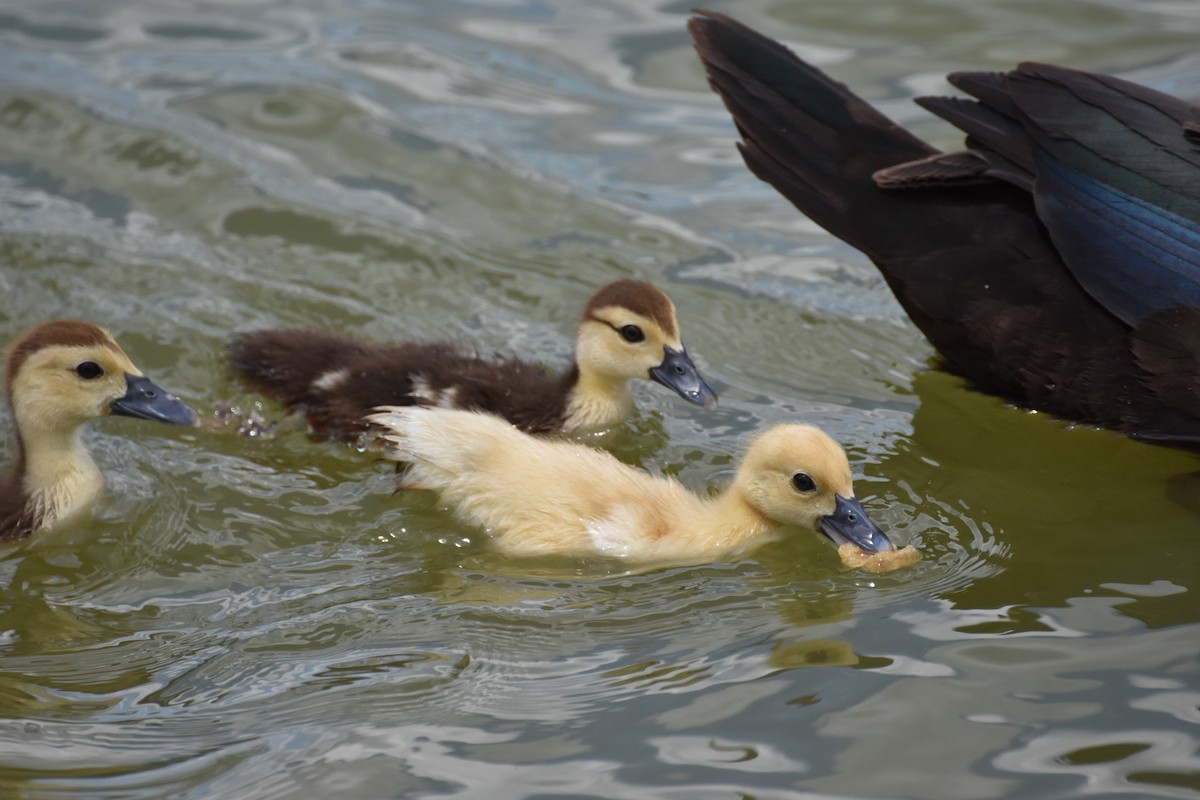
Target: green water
[{"x": 263, "y": 618}]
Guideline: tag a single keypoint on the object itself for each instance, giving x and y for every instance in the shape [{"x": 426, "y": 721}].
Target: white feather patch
[
  {"x": 439, "y": 398},
  {"x": 328, "y": 381}
]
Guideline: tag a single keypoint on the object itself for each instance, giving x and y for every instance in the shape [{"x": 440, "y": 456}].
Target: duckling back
[
  {"x": 335, "y": 381},
  {"x": 534, "y": 495}
]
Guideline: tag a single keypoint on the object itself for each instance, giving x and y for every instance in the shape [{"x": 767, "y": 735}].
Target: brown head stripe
[
  {"x": 59, "y": 333},
  {"x": 639, "y": 297}
]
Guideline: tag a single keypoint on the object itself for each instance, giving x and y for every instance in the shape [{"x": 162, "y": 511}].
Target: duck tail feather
[
  {"x": 995, "y": 138},
  {"x": 807, "y": 135}
]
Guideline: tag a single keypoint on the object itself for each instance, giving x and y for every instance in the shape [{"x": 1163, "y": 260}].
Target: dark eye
[
  {"x": 89, "y": 370},
  {"x": 633, "y": 334},
  {"x": 803, "y": 482}
]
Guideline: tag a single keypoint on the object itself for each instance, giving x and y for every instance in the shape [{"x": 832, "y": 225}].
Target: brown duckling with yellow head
[
  {"x": 537, "y": 496},
  {"x": 59, "y": 375},
  {"x": 628, "y": 331}
]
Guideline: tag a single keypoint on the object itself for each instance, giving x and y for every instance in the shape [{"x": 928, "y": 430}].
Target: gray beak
[
  {"x": 849, "y": 523},
  {"x": 679, "y": 373},
  {"x": 144, "y": 399}
]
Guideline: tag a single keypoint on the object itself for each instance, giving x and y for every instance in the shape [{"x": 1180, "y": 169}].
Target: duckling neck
[
  {"x": 597, "y": 401},
  {"x": 59, "y": 476},
  {"x": 733, "y": 522}
]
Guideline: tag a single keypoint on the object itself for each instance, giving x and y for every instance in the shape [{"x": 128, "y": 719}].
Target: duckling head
[
  {"x": 65, "y": 372},
  {"x": 629, "y": 330},
  {"x": 798, "y": 474}
]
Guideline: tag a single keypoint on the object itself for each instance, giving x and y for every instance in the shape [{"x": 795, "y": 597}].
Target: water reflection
[{"x": 1036, "y": 484}]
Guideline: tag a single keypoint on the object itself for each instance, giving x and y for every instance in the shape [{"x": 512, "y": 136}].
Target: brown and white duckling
[
  {"x": 628, "y": 330},
  {"x": 60, "y": 375},
  {"x": 540, "y": 496}
]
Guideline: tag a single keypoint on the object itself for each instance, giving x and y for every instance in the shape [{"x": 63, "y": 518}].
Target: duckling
[
  {"x": 628, "y": 330},
  {"x": 60, "y": 375},
  {"x": 538, "y": 496}
]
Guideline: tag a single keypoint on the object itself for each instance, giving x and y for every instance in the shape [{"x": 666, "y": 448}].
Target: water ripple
[{"x": 264, "y": 618}]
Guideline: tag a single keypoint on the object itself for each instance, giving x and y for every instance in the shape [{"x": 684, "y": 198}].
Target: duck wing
[
  {"x": 1118, "y": 186},
  {"x": 1114, "y": 169}
]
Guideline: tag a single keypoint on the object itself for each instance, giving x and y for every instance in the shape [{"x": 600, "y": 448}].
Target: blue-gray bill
[
  {"x": 849, "y": 523},
  {"x": 679, "y": 373},
  {"x": 144, "y": 399}
]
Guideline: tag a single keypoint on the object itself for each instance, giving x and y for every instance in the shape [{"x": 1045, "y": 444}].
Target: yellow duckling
[
  {"x": 539, "y": 496},
  {"x": 628, "y": 330},
  {"x": 60, "y": 375}
]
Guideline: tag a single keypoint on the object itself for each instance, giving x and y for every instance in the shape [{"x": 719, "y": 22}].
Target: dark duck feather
[
  {"x": 1055, "y": 262},
  {"x": 58, "y": 376},
  {"x": 627, "y": 330}
]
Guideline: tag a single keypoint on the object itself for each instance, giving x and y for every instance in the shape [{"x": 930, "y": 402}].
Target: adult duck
[
  {"x": 538, "y": 496},
  {"x": 58, "y": 376},
  {"x": 628, "y": 330},
  {"x": 1055, "y": 262}
]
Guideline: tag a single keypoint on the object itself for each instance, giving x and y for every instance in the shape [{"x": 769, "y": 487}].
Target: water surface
[{"x": 263, "y": 618}]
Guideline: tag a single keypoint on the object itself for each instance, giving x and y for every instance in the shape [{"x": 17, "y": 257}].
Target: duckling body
[
  {"x": 1055, "y": 263},
  {"x": 540, "y": 496},
  {"x": 627, "y": 331},
  {"x": 59, "y": 375}
]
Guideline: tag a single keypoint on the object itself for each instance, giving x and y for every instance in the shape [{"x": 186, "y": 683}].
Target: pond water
[{"x": 264, "y": 618}]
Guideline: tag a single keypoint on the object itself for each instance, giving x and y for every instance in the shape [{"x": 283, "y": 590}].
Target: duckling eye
[
  {"x": 89, "y": 370},
  {"x": 633, "y": 334},
  {"x": 803, "y": 482}
]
